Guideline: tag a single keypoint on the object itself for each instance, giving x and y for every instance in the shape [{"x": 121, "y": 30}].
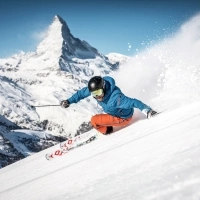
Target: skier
[{"x": 119, "y": 108}]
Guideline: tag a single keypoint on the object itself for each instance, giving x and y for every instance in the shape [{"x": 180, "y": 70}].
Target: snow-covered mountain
[
  {"x": 61, "y": 65},
  {"x": 116, "y": 57},
  {"x": 71, "y": 54}
]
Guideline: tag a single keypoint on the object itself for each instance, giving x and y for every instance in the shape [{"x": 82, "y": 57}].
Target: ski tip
[{"x": 47, "y": 157}]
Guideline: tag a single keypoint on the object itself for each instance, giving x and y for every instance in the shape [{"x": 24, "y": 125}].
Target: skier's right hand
[
  {"x": 64, "y": 104},
  {"x": 151, "y": 113}
]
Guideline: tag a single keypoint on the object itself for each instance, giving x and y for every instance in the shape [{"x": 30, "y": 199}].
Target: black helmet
[{"x": 95, "y": 83}]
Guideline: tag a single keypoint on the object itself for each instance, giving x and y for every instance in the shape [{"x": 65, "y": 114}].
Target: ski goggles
[{"x": 97, "y": 93}]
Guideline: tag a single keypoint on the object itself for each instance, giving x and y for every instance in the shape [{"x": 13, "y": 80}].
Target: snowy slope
[{"x": 151, "y": 159}]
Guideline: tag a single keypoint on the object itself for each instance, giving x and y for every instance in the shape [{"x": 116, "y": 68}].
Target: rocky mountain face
[
  {"x": 60, "y": 66},
  {"x": 15, "y": 144}
]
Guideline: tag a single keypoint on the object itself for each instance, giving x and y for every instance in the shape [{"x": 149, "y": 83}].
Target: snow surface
[
  {"x": 151, "y": 159},
  {"x": 156, "y": 159}
]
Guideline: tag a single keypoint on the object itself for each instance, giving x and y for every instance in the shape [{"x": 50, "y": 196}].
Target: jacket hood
[{"x": 109, "y": 86}]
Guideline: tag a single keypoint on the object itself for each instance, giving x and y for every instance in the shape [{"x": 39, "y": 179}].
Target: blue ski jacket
[{"x": 114, "y": 101}]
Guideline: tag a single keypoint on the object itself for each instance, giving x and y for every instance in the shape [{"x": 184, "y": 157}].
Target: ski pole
[{"x": 43, "y": 106}]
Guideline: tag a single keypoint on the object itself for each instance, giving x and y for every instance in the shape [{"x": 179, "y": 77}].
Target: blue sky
[{"x": 109, "y": 26}]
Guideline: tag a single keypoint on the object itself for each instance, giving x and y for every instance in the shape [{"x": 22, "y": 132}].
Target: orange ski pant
[{"x": 101, "y": 121}]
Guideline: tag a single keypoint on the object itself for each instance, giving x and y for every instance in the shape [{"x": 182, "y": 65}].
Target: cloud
[{"x": 39, "y": 35}]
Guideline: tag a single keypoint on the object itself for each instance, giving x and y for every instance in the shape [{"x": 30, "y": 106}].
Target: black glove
[
  {"x": 151, "y": 113},
  {"x": 64, "y": 104}
]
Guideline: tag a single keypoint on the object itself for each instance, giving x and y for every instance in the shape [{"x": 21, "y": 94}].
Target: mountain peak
[
  {"x": 52, "y": 44},
  {"x": 61, "y": 45},
  {"x": 60, "y": 40},
  {"x": 58, "y": 19}
]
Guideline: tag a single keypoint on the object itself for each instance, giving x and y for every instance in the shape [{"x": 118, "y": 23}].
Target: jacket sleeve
[
  {"x": 125, "y": 102},
  {"x": 79, "y": 95}
]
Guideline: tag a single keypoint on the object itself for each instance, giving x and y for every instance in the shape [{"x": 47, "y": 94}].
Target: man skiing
[{"x": 119, "y": 108}]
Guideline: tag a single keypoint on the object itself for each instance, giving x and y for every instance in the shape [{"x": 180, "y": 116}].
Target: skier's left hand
[
  {"x": 64, "y": 103},
  {"x": 151, "y": 113}
]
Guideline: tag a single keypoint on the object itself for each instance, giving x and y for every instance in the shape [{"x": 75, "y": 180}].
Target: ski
[{"x": 72, "y": 143}]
